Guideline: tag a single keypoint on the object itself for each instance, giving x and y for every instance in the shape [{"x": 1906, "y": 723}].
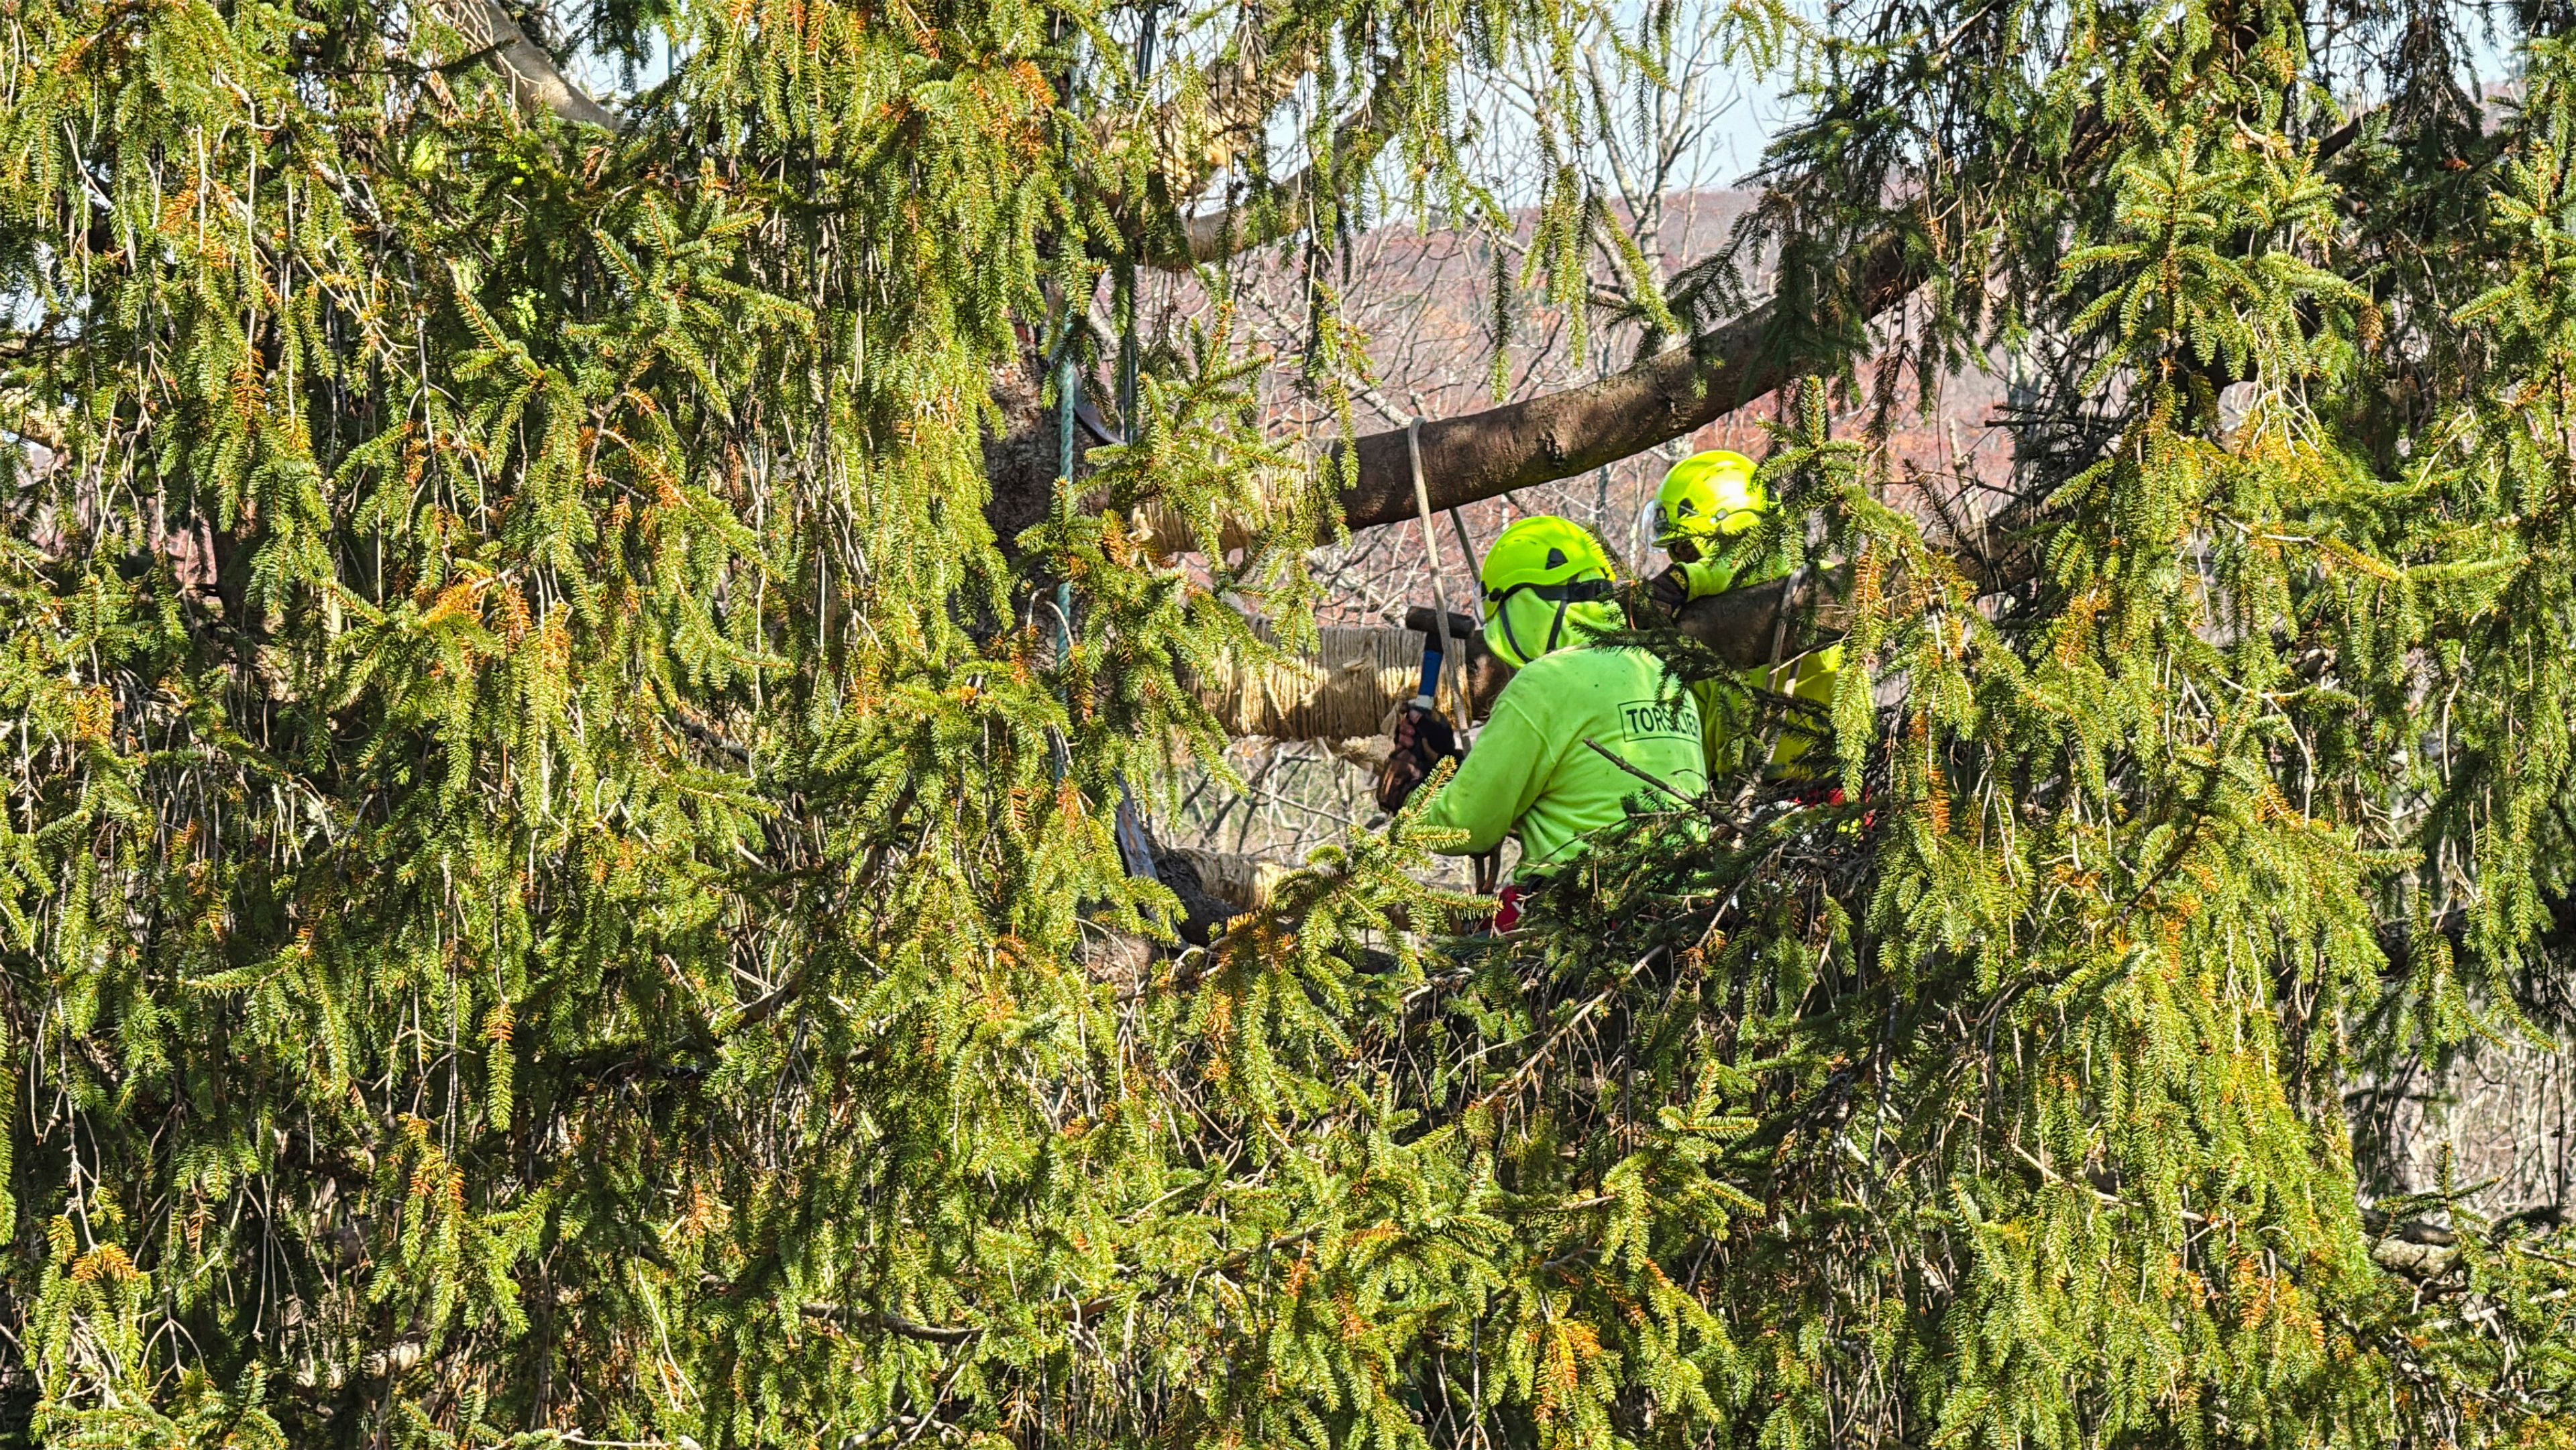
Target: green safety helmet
[
  {"x": 1708, "y": 497},
  {"x": 1541, "y": 575}
]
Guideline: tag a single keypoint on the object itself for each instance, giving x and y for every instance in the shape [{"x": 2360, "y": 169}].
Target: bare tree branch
[
  {"x": 857, "y": 1317},
  {"x": 536, "y": 81}
]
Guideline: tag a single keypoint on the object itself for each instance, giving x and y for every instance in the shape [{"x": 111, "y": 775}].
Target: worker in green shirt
[
  {"x": 1706, "y": 515},
  {"x": 1582, "y": 729}
]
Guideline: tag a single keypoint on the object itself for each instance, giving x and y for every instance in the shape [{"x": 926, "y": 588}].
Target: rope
[
  {"x": 1453, "y": 659},
  {"x": 1467, "y": 552},
  {"x": 1135, "y": 843},
  {"x": 1488, "y": 865},
  {"x": 1135, "y": 847}
]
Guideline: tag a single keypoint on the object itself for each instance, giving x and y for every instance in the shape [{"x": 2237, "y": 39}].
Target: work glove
[
  {"x": 1422, "y": 741},
  {"x": 1670, "y": 590}
]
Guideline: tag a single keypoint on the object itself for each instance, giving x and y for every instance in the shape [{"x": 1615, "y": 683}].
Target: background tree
[{"x": 561, "y": 874}]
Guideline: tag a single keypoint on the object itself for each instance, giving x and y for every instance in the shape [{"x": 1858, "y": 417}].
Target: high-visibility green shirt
[{"x": 1532, "y": 774}]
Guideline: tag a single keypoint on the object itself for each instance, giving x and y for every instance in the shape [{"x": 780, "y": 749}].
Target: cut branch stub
[{"x": 1345, "y": 690}]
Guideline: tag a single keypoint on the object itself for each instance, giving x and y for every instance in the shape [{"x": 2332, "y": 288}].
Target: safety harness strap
[{"x": 1581, "y": 591}]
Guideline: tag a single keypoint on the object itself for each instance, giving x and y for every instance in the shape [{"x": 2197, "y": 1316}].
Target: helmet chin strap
[
  {"x": 1503, "y": 612},
  {"x": 1555, "y": 628}
]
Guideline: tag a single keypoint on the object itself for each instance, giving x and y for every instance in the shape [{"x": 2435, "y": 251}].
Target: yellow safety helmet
[
  {"x": 1705, "y": 498},
  {"x": 1542, "y": 574}
]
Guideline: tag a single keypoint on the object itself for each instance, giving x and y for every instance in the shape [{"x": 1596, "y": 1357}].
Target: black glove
[
  {"x": 1422, "y": 741},
  {"x": 1670, "y": 590}
]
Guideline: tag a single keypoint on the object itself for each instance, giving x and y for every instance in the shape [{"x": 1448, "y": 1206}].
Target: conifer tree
[{"x": 562, "y": 881}]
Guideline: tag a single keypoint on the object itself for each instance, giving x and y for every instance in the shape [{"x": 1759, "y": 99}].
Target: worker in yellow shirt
[
  {"x": 1582, "y": 731},
  {"x": 1707, "y": 514}
]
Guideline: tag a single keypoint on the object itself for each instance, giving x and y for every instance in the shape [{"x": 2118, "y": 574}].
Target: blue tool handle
[{"x": 1430, "y": 679}]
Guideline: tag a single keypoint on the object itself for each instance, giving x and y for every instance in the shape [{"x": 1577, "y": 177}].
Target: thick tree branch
[
  {"x": 1562, "y": 434},
  {"x": 1359, "y": 676},
  {"x": 1350, "y": 684},
  {"x": 1221, "y": 112},
  {"x": 1539, "y": 440},
  {"x": 536, "y": 81},
  {"x": 1745, "y": 626},
  {"x": 1228, "y": 110},
  {"x": 22, "y": 419}
]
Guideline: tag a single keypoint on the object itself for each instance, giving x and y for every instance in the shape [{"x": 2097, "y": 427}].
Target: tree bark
[
  {"x": 1348, "y": 687},
  {"x": 1746, "y": 627}
]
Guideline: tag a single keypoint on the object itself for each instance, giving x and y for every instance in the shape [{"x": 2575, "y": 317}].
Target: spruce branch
[{"x": 400, "y": 954}]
